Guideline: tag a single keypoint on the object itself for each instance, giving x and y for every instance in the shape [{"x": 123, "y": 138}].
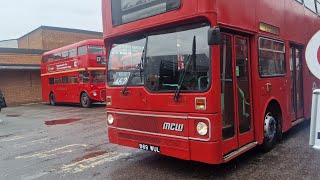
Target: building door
[
  {"x": 236, "y": 100},
  {"x": 296, "y": 82}
]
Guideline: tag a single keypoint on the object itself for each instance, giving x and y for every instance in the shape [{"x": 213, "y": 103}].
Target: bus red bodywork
[
  {"x": 268, "y": 82},
  {"x": 74, "y": 73}
]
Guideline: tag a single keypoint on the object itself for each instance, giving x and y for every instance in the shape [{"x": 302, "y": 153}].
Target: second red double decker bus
[
  {"x": 214, "y": 79},
  {"x": 74, "y": 74}
]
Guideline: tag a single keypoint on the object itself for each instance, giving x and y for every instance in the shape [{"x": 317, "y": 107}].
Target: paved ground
[{"x": 68, "y": 142}]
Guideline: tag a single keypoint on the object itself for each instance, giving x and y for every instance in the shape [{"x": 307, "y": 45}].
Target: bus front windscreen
[
  {"x": 172, "y": 58},
  {"x": 97, "y": 76},
  {"x": 125, "y": 11}
]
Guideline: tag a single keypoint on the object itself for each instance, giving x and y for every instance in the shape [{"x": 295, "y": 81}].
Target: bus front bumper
[
  {"x": 186, "y": 149},
  {"x": 98, "y": 95}
]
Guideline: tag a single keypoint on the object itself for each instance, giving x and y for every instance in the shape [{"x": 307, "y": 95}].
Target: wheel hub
[
  {"x": 84, "y": 100},
  {"x": 270, "y": 127}
]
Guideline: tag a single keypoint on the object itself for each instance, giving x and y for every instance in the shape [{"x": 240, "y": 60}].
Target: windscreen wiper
[
  {"x": 178, "y": 90},
  {"x": 143, "y": 57},
  {"x": 141, "y": 65},
  {"x": 132, "y": 75},
  {"x": 193, "y": 57}
]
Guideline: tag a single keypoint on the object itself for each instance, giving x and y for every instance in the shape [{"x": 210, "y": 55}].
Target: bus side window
[
  {"x": 84, "y": 77},
  {"x": 57, "y": 80},
  {"x": 51, "y": 58},
  {"x": 82, "y": 50},
  {"x": 64, "y": 79},
  {"x": 57, "y": 56},
  {"x": 45, "y": 59},
  {"x": 73, "y": 52},
  {"x": 65, "y": 54},
  {"x": 51, "y": 81},
  {"x": 73, "y": 79},
  {"x": 271, "y": 58}
]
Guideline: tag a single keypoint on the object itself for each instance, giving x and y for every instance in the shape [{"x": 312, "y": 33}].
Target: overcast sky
[{"x": 18, "y": 17}]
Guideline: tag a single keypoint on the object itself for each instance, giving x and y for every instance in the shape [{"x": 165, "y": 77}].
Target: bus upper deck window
[
  {"x": 82, "y": 50},
  {"x": 96, "y": 50},
  {"x": 73, "y": 52}
]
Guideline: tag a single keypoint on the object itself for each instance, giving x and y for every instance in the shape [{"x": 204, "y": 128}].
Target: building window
[
  {"x": 318, "y": 6},
  {"x": 310, "y": 4},
  {"x": 82, "y": 50},
  {"x": 271, "y": 58}
]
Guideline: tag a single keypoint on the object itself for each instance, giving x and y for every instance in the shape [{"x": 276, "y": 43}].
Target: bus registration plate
[{"x": 147, "y": 147}]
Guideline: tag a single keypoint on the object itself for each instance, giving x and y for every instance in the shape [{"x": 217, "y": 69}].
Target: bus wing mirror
[{"x": 214, "y": 36}]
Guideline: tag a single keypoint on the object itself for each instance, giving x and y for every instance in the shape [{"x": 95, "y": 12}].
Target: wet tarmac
[{"x": 68, "y": 142}]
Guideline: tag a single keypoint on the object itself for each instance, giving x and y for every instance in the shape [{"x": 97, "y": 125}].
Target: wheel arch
[
  {"x": 82, "y": 92},
  {"x": 51, "y": 92}
]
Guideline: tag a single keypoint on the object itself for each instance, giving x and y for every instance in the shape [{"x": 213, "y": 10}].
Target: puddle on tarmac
[
  {"x": 13, "y": 115},
  {"x": 61, "y": 121},
  {"x": 91, "y": 155}
]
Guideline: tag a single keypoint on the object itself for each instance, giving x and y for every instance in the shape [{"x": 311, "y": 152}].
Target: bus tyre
[
  {"x": 270, "y": 129},
  {"x": 85, "y": 101},
  {"x": 52, "y": 99}
]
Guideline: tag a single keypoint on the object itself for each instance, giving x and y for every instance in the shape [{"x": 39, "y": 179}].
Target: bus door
[
  {"x": 73, "y": 88},
  {"x": 296, "y": 82},
  {"x": 59, "y": 90},
  {"x": 236, "y": 100}
]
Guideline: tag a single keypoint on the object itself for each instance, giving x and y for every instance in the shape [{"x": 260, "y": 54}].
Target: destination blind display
[{"x": 125, "y": 11}]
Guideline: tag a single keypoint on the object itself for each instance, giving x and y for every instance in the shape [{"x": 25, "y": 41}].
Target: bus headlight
[
  {"x": 94, "y": 93},
  {"x": 202, "y": 128},
  {"x": 110, "y": 119}
]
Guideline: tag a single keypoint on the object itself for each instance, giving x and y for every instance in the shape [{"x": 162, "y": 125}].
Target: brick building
[{"x": 20, "y": 67}]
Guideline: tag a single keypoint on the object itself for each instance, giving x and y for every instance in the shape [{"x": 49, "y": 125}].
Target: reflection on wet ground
[
  {"x": 69, "y": 142},
  {"x": 61, "y": 121}
]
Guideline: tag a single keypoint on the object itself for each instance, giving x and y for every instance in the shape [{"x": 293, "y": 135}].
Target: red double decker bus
[
  {"x": 215, "y": 77},
  {"x": 74, "y": 74}
]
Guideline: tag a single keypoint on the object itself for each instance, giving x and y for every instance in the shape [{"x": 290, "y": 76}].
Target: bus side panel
[{"x": 231, "y": 12}]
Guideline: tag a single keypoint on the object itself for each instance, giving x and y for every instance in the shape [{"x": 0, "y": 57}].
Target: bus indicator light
[
  {"x": 109, "y": 101},
  {"x": 201, "y": 103}
]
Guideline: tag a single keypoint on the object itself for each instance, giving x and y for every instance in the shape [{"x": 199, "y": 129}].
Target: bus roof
[{"x": 71, "y": 46}]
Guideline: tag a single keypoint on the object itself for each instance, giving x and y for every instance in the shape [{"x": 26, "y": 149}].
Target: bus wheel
[
  {"x": 52, "y": 99},
  {"x": 270, "y": 132},
  {"x": 85, "y": 100}
]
